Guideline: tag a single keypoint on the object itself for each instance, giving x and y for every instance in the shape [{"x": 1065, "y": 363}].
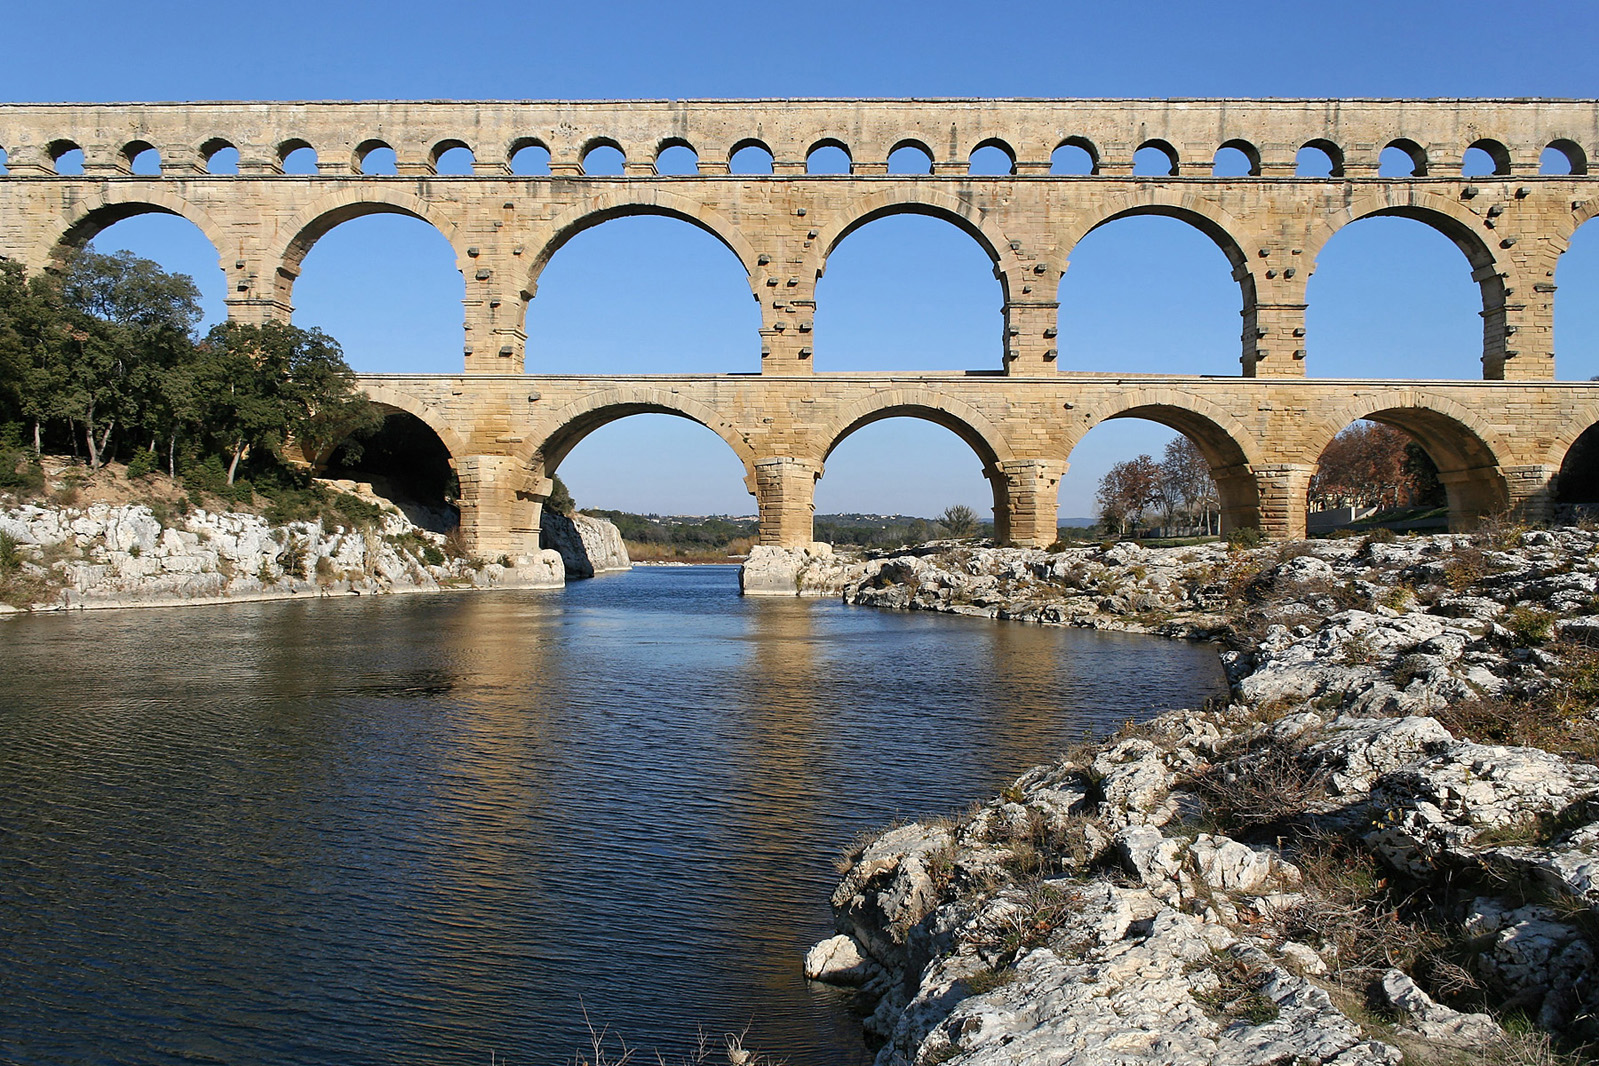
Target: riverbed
[{"x": 432, "y": 829}]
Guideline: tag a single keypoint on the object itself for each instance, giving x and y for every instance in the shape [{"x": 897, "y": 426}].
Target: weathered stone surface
[
  {"x": 587, "y": 545},
  {"x": 839, "y": 960}
]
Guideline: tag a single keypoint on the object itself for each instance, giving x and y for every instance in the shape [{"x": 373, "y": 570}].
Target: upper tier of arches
[{"x": 1439, "y": 137}]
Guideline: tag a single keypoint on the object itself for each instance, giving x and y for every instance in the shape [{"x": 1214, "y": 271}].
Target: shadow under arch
[
  {"x": 1465, "y": 450},
  {"x": 1216, "y": 224},
  {"x": 1224, "y": 442},
  {"x": 391, "y": 399},
  {"x": 1460, "y": 225},
  {"x": 1577, "y": 456},
  {"x": 622, "y": 203},
  {"x": 565, "y": 429},
  {"x": 91, "y": 216},
  {"x": 984, "y": 438}
]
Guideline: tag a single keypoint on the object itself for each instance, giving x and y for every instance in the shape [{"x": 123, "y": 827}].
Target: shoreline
[{"x": 1321, "y": 870}]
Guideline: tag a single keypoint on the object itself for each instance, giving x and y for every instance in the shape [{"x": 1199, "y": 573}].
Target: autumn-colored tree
[
  {"x": 1126, "y": 491},
  {"x": 1373, "y": 465}
]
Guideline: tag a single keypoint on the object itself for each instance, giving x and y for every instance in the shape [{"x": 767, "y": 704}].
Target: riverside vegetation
[{"x": 1383, "y": 848}]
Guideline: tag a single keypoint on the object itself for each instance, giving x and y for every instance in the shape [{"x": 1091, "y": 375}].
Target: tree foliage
[
  {"x": 102, "y": 356},
  {"x": 1374, "y": 465},
  {"x": 1179, "y": 489}
]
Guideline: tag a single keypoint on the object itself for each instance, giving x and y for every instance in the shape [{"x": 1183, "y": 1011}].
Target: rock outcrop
[
  {"x": 587, "y": 545},
  {"x": 1243, "y": 883},
  {"x": 103, "y": 556}
]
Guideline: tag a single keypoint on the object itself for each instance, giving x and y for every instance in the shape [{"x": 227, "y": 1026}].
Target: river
[{"x": 436, "y": 829}]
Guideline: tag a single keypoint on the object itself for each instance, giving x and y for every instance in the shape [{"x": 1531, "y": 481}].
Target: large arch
[
  {"x": 393, "y": 399},
  {"x": 905, "y": 201},
  {"x": 1465, "y": 449},
  {"x": 1227, "y": 445},
  {"x": 1459, "y": 224},
  {"x": 565, "y": 429},
  {"x": 320, "y": 217},
  {"x": 114, "y": 204},
  {"x": 622, "y": 201}
]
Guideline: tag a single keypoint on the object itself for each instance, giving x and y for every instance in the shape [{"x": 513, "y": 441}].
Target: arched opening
[
  {"x": 1157, "y": 471},
  {"x": 1563, "y": 157},
  {"x": 1074, "y": 157},
  {"x": 910, "y": 157},
  {"x": 1578, "y": 482},
  {"x": 992, "y": 158},
  {"x": 670, "y": 484},
  {"x": 1155, "y": 159},
  {"x": 1485, "y": 158},
  {"x": 1151, "y": 293},
  {"x": 750, "y": 157},
  {"x": 603, "y": 159},
  {"x": 682, "y": 305},
  {"x": 1236, "y": 159},
  {"x": 386, "y": 287},
  {"x": 889, "y": 478},
  {"x": 908, "y": 291},
  {"x": 66, "y": 158},
  {"x": 1577, "y": 306},
  {"x": 452, "y": 158},
  {"x": 3, "y": 168},
  {"x": 1392, "y": 296},
  {"x": 407, "y": 464},
  {"x": 530, "y": 159},
  {"x": 220, "y": 157},
  {"x": 143, "y": 159},
  {"x": 1319, "y": 159},
  {"x": 827, "y": 157},
  {"x": 1402, "y": 159},
  {"x": 171, "y": 241},
  {"x": 677, "y": 158},
  {"x": 375, "y": 158},
  {"x": 297, "y": 157},
  {"x": 1450, "y": 466}
]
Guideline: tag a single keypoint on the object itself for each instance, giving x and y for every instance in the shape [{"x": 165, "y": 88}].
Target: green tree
[
  {"x": 560, "y": 501},
  {"x": 959, "y": 519}
]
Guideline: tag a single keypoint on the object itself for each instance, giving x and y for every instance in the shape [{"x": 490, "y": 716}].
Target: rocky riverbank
[
  {"x": 1383, "y": 848},
  {"x": 127, "y": 556}
]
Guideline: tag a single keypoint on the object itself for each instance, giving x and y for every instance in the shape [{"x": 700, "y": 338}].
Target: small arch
[
  {"x": 1563, "y": 156},
  {"x": 3, "y": 168},
  {"x": 1074, "y": 157},
  {"x": 1155, "y": 158},
  {"x": 142, "y": 158},
  {"x": 66, "y": 158},
  {"x": 220, "y": 156},
  {"x": 1402, "y": 158},
  {"x": 827, "y": 156},
  {"x": 1453, "y": 438},
  {"x": 1236, "y": 159},
  {"x": 375, "y": 157},
  {"x": 529, "y": 157},
  {"x": 750, "y": 156},
  {"x": 910, "y": 156},
  {"x": 1319, "y": 159},
  {"x": 675, "y": 157},
  {"x": 603, "y": 157},
  {"x": 1485, "y": 158},
  {"x": 297, "y": 157},
  {"x": 992, "y": 158},
  {"x": 452, "y": 157}
]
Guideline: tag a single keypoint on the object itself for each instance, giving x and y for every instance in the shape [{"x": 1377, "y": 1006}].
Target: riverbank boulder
[{"x": 587, "y": 545}]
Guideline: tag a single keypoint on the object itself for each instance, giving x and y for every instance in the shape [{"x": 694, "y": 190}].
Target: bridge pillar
[
  {"x": 785, "y": 493},
  {"x": 1283, "y": 493},
  {"x": 1274, "y": 340},
  {"x": 1031, "y": 346},
  {"x": 495, "y": 340},
  {"x": 499, "y": 514},
  {"x": 1026, "y": 501},
  {"x": 788, "y": 316},
  {"x": 1478, "y": 491},
  {"x": 1532, "y": 490}
]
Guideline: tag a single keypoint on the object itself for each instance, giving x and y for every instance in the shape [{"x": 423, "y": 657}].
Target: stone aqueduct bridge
[{"x": 1498, "y": 442}]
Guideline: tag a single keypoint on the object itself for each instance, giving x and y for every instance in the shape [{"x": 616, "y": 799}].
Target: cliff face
[
  {"x": 588, "y": 546},
  {"x": 123, "y": 556}
]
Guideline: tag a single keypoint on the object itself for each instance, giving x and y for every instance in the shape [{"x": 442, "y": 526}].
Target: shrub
[
  {"x": 1528, "y": 626},
  {"x": 142, "y": 465},
  {"x": 10, "y": 555},
  {"x": 1244, "y": 537},
  {"x": 432, "y": 555},
  {"x": 20, "y": 473}
]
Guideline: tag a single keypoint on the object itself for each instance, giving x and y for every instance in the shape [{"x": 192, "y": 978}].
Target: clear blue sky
[{"x": 1141, "y": 294}]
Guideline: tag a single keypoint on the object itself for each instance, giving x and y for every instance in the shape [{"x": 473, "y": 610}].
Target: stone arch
[
  {"x": 1417, "y": 154},
  {"x": 1465, "y": 449},
  {"x": 114, "y": 203},
  {"x": 1583, "y": 426},
  {"x": 1495, "y": 151},
  {"x": 1227, "y": 445},
  {"x": 1088, "y": 147},
  {"x": 631, "y": 199},
  {"x": 448, "y": 144},
  {"x": 386, "y": 396},
  {"x": 1334, "y": 154},
  {"x": 1573, "y": 426},
  {"x": 319, "y": 218},
  {"x": 1455, "y": 221},
  {"x": 1164, "y": 148},
  {"x": 561, "y": 431},
  {"x": 856, "y": 213},
  {"x": 1249, "y": 151},
  {"x": 1576, "y": 158},
  {"x": 993, "y": 142}
]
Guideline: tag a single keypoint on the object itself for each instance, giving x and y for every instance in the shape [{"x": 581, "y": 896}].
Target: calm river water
[{"x": 428, "y": 829}]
